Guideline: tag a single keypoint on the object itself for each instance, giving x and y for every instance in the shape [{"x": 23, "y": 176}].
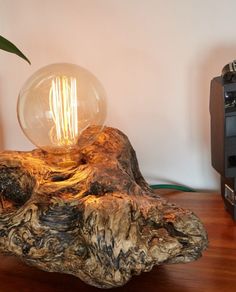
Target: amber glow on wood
[{"x": 98, "y": 220}]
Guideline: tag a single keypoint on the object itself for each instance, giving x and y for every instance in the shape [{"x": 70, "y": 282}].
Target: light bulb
[{"x": 57, "y": 104}]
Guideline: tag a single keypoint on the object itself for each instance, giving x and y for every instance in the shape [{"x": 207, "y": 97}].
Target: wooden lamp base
[{"x": 98, "y": 220}]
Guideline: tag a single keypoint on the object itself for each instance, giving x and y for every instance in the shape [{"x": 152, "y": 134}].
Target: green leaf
[{"x": 7, "y": 46}]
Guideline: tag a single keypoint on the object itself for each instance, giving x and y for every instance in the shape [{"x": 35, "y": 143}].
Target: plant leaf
[{"x": 7, "y": 46}]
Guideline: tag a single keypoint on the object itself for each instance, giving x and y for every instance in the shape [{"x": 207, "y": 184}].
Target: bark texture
[{"x": 97, "y": 220}]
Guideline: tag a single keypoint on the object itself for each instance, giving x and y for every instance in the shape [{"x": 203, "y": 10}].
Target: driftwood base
[{"x": 98, "y": 220}]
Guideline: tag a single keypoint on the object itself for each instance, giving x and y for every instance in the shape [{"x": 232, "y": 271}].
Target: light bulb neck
[{"x": 65, "y": 160}]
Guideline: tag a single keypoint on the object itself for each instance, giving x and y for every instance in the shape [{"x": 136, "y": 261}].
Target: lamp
[
  {"x": 57, "y": 104},
  {"x": 98, "y": 220}
]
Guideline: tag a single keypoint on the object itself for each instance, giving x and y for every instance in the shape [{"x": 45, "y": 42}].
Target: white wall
[{"x": 154, "y": 57}]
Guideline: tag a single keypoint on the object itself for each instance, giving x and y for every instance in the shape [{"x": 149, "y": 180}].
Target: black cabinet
[{"x": 223, "y": 138}]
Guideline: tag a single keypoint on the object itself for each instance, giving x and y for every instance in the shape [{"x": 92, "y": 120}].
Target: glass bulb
[{"x": 57, "y": 104}]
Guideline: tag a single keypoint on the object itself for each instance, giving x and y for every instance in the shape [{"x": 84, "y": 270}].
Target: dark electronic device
[{"x": 223, "y": 133}]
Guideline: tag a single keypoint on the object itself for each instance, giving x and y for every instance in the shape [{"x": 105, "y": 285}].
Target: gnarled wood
[{"x": 97, "y": 220}]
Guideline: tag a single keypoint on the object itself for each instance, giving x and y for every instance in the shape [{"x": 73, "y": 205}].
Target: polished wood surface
[
  {"x": 91, "y": 214},
  {"x": 215, "y": 271}
]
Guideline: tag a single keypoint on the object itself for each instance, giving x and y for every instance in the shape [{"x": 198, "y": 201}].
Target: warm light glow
[
  {"x": 63, "y": 105},
  {"x": 62, "y": 108}
]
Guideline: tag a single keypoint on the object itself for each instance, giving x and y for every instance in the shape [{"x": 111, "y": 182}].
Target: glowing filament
[{"x": 63, "y": 106}]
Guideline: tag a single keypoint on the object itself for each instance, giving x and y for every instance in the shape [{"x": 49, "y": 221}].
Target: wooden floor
[{"x": 215, "y": 271}]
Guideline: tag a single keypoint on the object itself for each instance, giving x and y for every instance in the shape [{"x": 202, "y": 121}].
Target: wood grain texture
[
  {"x": 214, "y": 272},
  {"x": 97, "y": 220}
]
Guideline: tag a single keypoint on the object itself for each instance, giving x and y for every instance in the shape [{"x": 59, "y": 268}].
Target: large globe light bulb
[{"x": 57, "y": 104}]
